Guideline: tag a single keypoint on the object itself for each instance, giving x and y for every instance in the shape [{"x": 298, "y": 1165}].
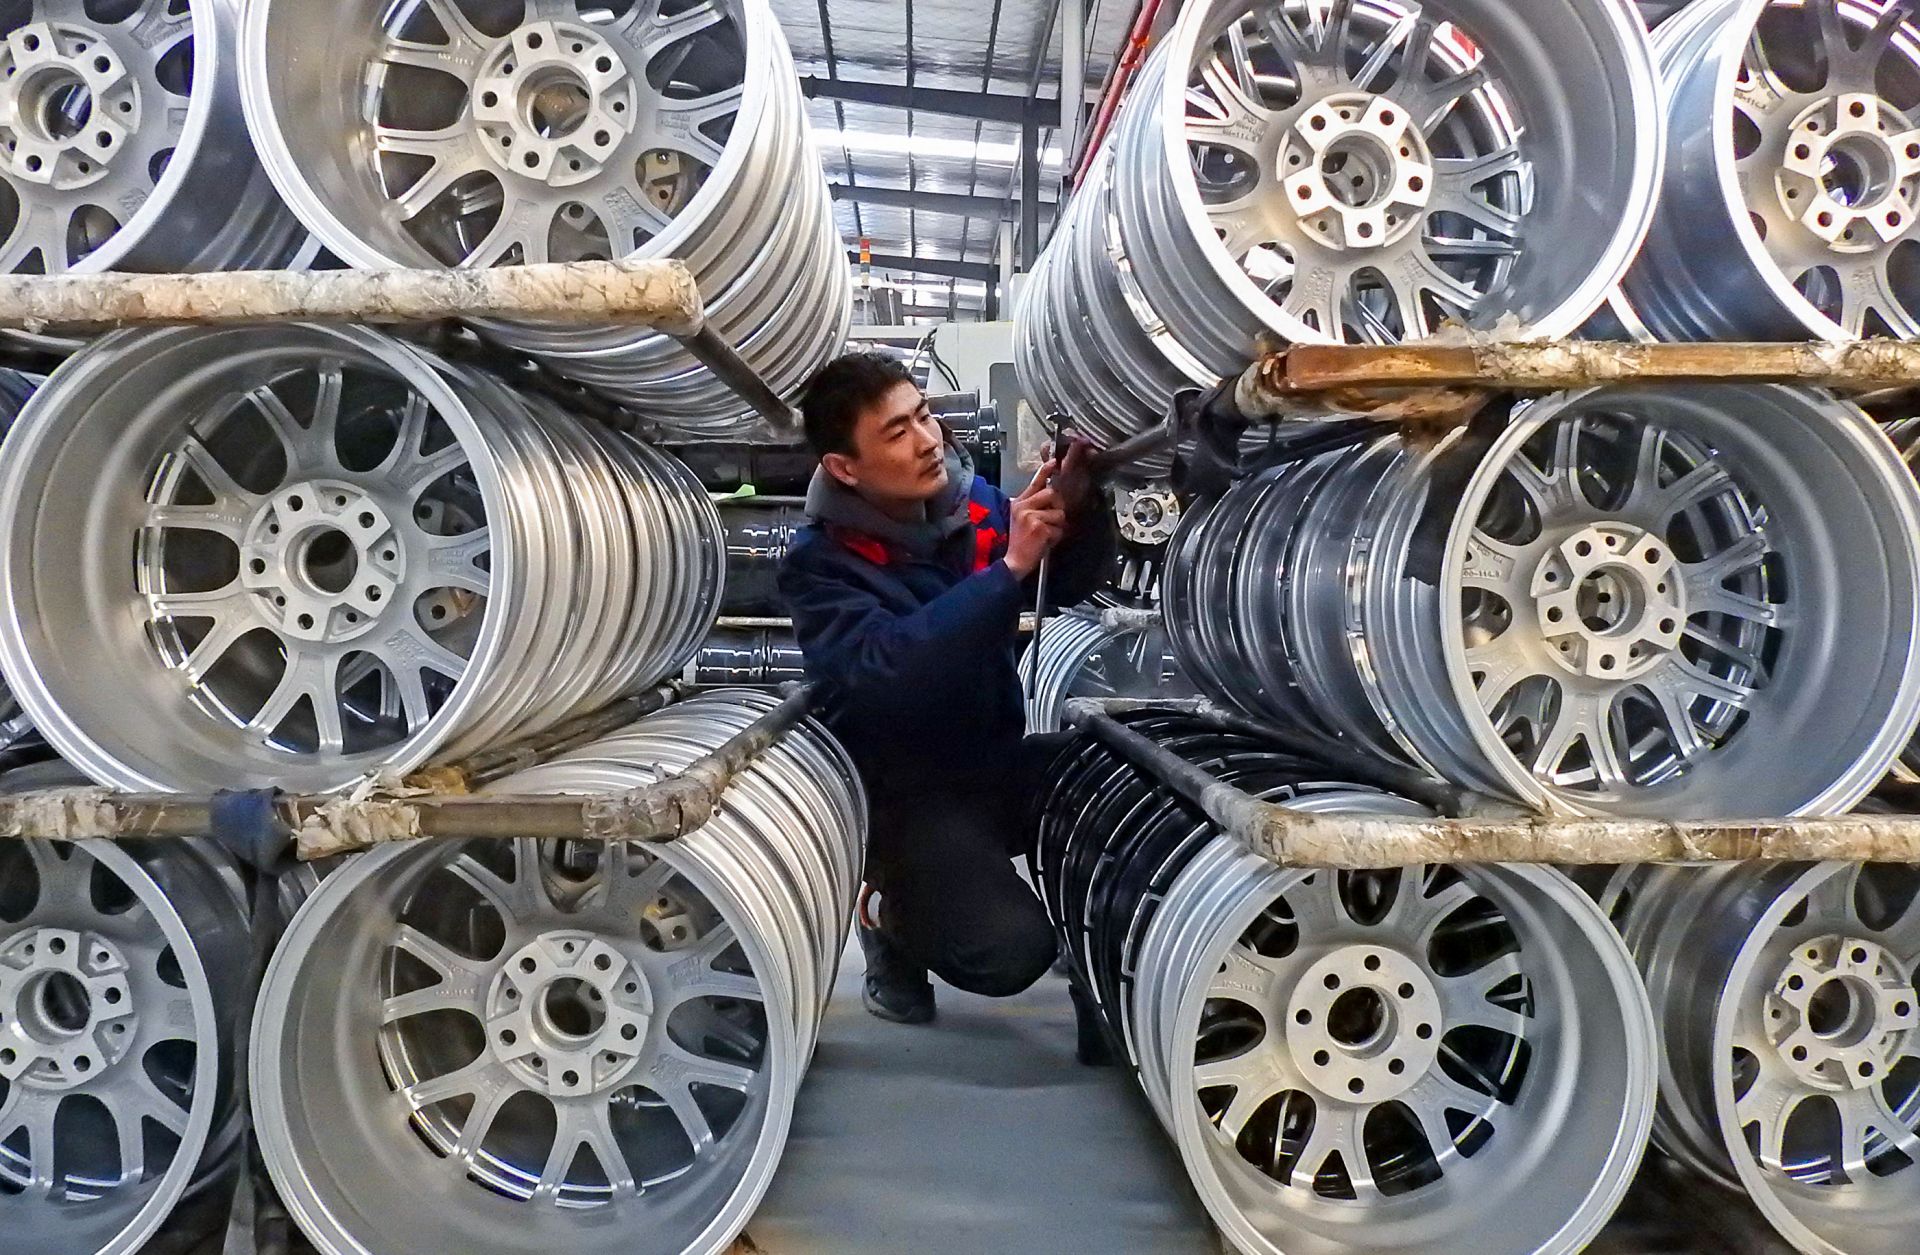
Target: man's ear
[{"x": 840, "y": 466}]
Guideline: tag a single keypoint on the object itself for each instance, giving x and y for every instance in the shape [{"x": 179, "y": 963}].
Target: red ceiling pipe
[{"x": 1130, "y": 58}]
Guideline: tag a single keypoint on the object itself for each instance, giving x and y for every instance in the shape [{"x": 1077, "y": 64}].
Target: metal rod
[
  {"x": 1358, "y": 842},
  {"x": 658, "y": 294},
  {"x": 488, "y": 766},
  {"x": 1133, "y": 448},
  {"x": 731, "y": 369}
]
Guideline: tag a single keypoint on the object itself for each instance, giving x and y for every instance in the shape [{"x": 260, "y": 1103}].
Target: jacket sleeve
[{"x": 855, "y": 643}]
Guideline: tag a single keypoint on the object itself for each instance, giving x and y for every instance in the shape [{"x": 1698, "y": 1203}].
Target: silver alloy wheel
[
  {"x": 1722, "y": 573},
  {"x": 1640, "y": 593},
  {"x": 1792, "y": 187},
  {"x": 1787, "y": 1002},
  {"x": 118, "y": 969},
  {"x": 346, "y": 556},
  {"x": 1438, "y": 1059},
  {"x": 580, "y": 1047},
  {"x": 1364, "y": 169},
  {"x": 122, "y": 145},
  {"x": 560, "y": 131}
]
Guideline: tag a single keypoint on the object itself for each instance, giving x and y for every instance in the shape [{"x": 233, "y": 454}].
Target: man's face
[{"x": 899, "y": 452}]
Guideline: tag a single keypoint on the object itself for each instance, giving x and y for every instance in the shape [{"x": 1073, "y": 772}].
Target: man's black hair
[{"x": 844, "y": 387}]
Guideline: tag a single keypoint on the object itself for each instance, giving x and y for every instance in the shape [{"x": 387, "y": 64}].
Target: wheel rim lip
[
  {"x": 1191, "y": 1129},
  {"x": 40, "y": 438},
  {"x": 260, "y": 93},
  {"x": 283, "y": 1154},
  {"x": 173, "y": 1185},
  {"x": 1876, "y": 756},
  {"x": 1627, "y": 34}
]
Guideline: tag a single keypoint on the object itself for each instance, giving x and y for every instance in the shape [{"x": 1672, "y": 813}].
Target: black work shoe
[
  {"x": 893, "y": 989},
  {"x": 1091, "y": 1045}
]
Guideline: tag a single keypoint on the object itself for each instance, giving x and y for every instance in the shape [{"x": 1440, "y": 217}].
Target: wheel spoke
[
  {"x": 40, "y": 229},
  {"x": 472, "y": 1079},
  {"x": 1246, "y": 976},
  {"x": 454, "y": 560},
  {"x": 1383, "y": 52},
  {"x": 436, "y": 954},
  {"x": 663, "y": 33}
]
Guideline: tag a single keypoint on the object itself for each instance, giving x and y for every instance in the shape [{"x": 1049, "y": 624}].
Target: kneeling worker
[{"x": 906, "y": 590}]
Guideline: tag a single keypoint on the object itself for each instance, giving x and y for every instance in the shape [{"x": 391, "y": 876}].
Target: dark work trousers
[{"x": 951, "y": 900}]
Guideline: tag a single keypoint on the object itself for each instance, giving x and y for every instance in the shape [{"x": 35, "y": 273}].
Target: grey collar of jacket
[{"x": 831, "y": 502}]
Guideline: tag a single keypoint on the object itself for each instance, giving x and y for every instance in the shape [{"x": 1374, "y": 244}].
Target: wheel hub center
[
  {"x": 1850, "y": 173},
  {"x": 1840, "y": 1011},
  {"x": 66, "y": 1010},
  {"x": 1364, "y": 1024},
  {"x": 323, "y": 561},
  {"x": 1610, "y": 601},
  {"x": 1358, "y": 172},
  {"x": 568, "y": 1014},
  {"x": 553, "y": 103},
  {"x": 68, "y": 105}
]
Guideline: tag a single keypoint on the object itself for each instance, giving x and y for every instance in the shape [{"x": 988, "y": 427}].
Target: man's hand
[{"x": 1039, "y": 521}]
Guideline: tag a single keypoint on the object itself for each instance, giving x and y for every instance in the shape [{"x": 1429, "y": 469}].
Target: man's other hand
[
  {"x": 1039, "y": 521},
  {"x": 1074, "y": 478}
]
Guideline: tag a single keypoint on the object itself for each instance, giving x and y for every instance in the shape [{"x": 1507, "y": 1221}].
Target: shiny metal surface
[
  {"x": 1079, "y": 657},
  {"x": 1792, "y": 184},
  {"x": 1363, "y": 171},
  {"x": 758, "y": 658},
  {"x": 124, "y": 147},
  {"x": 1441, "y": 1059},
  {"x": 120, "y": 967},
  {"x": 509, "y": 1046},
  {"x": 15, "y": 726},
  {"x": 1785, "y": 997},
  {"x": 305, "y": 554},
  {"x": 463, "y": 133},
  {"x": 1644, "y": 597},
  {"x": 758, "y": 536}
]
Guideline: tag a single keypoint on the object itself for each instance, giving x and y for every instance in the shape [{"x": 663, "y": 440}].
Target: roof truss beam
[{"x": 980, "y": 106}]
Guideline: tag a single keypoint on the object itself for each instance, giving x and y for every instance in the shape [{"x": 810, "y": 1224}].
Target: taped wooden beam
[
  {"x": 1359, "y": 842},
  {"x": 323, "y": 827},
  {"x": 1554, "y": 366},
  {"x": 660, "y": 295}
]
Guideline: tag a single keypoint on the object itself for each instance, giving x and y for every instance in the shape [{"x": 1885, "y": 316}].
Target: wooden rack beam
[
  {"x": 660, "y": 295},
  {"x": 1359, "y": 842},
  {"x": 323, "y": 827},
  {"x": 1430, "y": 382}
]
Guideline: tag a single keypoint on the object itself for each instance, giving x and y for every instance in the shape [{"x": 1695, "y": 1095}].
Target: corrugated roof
[{"x": 957, "y": 45}]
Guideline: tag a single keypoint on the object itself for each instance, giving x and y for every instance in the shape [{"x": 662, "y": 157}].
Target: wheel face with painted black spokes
[{"x": 1381, "y": 1061}]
